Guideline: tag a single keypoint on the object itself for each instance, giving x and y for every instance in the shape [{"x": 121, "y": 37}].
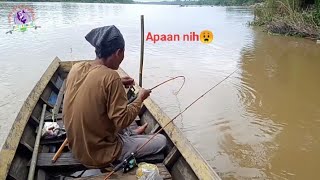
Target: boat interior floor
[
  {"x": 131, "y": 175},
  {"x": 66, "y": 166}
]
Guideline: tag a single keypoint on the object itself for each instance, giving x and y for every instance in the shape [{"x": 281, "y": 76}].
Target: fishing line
[
  {"x": 184, "y": 79},
  {"x": 174, "y": 93},
  {"x": 132, "y": 154},
  {"x": 179, "y": 106}
]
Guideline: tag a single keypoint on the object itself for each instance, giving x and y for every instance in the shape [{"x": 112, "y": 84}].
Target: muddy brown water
[{"x": 261, "y": 123}]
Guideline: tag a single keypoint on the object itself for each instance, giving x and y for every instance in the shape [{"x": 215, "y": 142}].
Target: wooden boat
[{"x": 180, "y": 160}]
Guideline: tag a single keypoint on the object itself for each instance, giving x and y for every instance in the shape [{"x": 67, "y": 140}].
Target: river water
[{"x": 261, "y": 123}]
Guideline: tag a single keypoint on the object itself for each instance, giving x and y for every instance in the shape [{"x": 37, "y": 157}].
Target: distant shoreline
[
  {"x": 80, "y": 1},
  {"x": 177, "y": 3}
]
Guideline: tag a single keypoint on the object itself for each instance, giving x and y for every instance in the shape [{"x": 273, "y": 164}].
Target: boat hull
[{"x": 181, "y": 159}]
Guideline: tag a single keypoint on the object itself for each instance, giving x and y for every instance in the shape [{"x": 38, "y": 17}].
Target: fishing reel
[
  {"x": 131, "y": 94},
  {"x": 129, "y": 163}
]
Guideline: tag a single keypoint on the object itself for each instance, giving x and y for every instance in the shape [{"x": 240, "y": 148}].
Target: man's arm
[{"x": 118, "y": 109}]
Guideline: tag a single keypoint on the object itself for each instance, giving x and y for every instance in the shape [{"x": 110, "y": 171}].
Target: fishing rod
[
  {"x": 126, "y": 160},
  {"x": 184, "y": 79}
]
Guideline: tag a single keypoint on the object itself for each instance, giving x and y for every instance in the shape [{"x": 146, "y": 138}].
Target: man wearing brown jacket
[{"x": 96, "y": 109}]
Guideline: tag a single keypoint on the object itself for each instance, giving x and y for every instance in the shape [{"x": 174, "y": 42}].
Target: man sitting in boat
[{"x": 96, "y": 109}]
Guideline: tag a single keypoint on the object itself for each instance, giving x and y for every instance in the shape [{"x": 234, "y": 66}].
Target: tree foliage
[
  {"x": 220, "y": 2},
  {"x": 227, "y": 2}
]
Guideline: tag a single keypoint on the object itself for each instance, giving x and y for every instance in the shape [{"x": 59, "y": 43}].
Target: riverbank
[{"x": 288, "y": 19}]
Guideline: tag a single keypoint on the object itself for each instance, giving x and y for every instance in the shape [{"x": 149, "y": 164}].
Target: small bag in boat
[
  {"x": 148, "y": 171},
  {"x": 52, "y": 130}
]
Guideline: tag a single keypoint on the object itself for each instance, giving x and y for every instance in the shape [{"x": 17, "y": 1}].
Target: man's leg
[
  {"x": 134, "y": 129},
  {"x": 132, "y": 143}
]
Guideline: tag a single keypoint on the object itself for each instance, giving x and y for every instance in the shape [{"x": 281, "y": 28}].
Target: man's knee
[{"x": 161, "y": 141}]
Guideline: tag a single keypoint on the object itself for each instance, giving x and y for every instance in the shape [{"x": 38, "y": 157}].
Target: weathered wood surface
[
  {"x": 57, "y": 106},
  {"x": 46, "y": 96},
  {"x": 46, "y": 102},
  {"x": 10, "y": 146},
  {"x": 41, "y": 175},
  {"x": 49, "y": 117},
  {"x": 163, "y": 171},
  {"x": 172, "y": 157},
  {"x": 37, "y": 112},
  {"x": 54, "y": 86},
  {"x": 181, "y": 171},
  {"x": 19, "y": 171},
  {"x": 147, "y": 117},
  {"x": 35, "y": 120},
  {"x": 28, "y": 137},
  {"x": 131, "y": 175},
  {"x": 52, "y": 141},
  {"x": 66, "y": 159},
  {"x": 45, "y": 149},
  {"x": 155, "y": 129}
]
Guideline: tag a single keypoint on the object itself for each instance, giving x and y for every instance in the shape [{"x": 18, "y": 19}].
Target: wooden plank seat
[
  {"x": 131, "y": 175},
  {"x": 67, "y": 160},
  {"x": 53, "y": 141}
]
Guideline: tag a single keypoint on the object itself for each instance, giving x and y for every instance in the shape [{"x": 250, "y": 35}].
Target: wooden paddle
[{"x": 58, "y": 153}]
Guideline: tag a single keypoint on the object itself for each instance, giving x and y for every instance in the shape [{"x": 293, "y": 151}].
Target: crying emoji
[{"x": 206, "y": 36}]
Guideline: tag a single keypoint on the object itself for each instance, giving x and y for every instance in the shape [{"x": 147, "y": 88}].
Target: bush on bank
[{"x": 289, "y": 17}]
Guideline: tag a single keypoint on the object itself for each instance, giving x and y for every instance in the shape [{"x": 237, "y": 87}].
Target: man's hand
[
  {"x": 127, "y": 81},
  {"x": 144, "y": 94}
]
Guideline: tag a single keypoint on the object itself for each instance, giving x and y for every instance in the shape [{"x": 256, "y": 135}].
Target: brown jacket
[{"x": 95, "y": 109}]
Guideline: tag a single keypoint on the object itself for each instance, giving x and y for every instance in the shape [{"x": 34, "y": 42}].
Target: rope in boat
[{"x": 132, "y": 154}]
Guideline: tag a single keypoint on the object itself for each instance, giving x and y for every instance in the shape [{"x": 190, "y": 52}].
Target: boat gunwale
[{"x": 9, "y": 148}]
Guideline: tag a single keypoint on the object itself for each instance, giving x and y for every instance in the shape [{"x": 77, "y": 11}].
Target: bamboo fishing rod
[
  {"x": 184, "y": 79},
  {"x": 141, "y": 50},
  {"x": 132, "y": 154},
  {"x": 170, "y": 80}
]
